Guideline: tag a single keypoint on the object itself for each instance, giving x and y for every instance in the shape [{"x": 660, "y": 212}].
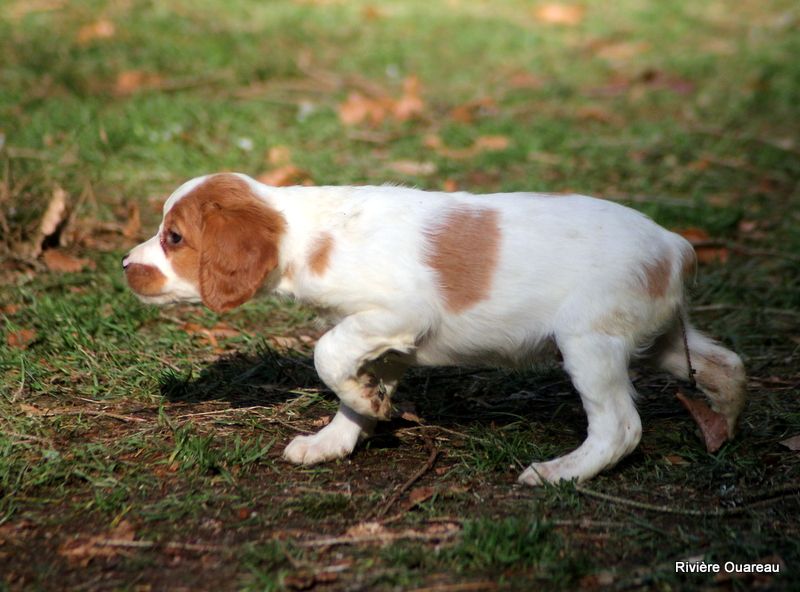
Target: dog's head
[{"x": 217, "y": 243}]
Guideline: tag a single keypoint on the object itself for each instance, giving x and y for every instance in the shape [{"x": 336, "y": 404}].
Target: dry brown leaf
[
  {"x": 9, "y": 309},
  {"x": 322, "y": 421},
  {"x": 420, "y": 494},
  {"x": 411, "y": 167},
  {"x": 55, "y": 213},
  {"x": 58, "y": 261},
  {"x": 358, "y": 108},
  {"x": 525, "y": 80},
  {"x": 131, "y": 81},
  {"x": 621, "y": 51},
  {"x": 286, "y": 175},
  {"x": 100, "y": 29},
  {"x": 21, "y": 339},
  {"x": 706, "y": 250},
  {"x": 468, "y": 112},
  {"x": 410, "y": 104},
  {"x": 792, "y": 443},
  {"x": 481, "y": 144},
  {"x": 374, "y": 110},
  {"x": 712, "y": 424},
  {"x": 559, "y": 14},
  {"x": 675, "y": 460},
  {"x": 285, "y": 342},
  {"x": 366, "y": 529},
  {"x": 491, "y": 143},
  {"x": 212, "y": 335},
  {"x": 450, "y": 185},
  {"x": 134, "y": 223},
  {"x": 279, "y": 156},
  {"x": 82, "y": 550},
  {"x": 595, "y": 113},
  {"x": 22, "y": 8}
]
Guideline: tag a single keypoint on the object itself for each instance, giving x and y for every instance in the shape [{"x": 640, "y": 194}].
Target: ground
[{"x": 140, "y": 447}]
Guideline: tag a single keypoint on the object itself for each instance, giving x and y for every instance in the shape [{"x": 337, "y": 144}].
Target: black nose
[{"x": 125, "y": 262}]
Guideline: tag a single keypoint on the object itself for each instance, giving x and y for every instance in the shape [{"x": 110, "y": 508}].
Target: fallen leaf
[
  {"x": 131, "y": 81},
  {"x": 58, "y": 261},
  {"x": 450, "y": 185},
  {"x": 212, "y": 335},
  {"x": 468, "y": 112},
  {"x": 359, "y": 108},
  {"x": 559, "y": 14},
  {"x": 481, "y": 144},
  {"x": 525, "y": 80},
  {"x": 595, "y": 113},
  {"x": 9, "y": 309},
  {"x": 286, "y": 175},
  {"x": 101, "y": 29},
  {"x": 322, "y": 421},
  {"x": 410, "y": 104},
  {"x": 82, "y": 550},
  {"x": 285, "y": 342},
  {"x": 279, "y": 156},
  {"x": 55, "y": 213},
  {"x": 675, "y": 460},
  {"x": 712, "y": 424},
  {"x": 420, "y": 494},
  {"x": 792, "y": 443},
  {"x": 706, "y": 249},
  {"x": 413, "y": 168},
  {"x": 366, "y": 529},
  {"x": 21, "y": 339},
  {"x": 134, "y": 223},
  {"x": 621, "y": 51}
]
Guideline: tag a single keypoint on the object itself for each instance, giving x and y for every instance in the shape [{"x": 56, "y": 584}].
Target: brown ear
[{"x": 239, "y": 247}]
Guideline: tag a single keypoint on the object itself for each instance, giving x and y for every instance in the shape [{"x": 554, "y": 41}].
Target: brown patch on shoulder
[
  {"x": 463, "y": 251},
  {"x": 145, "y": 280},
  {"x": 320, "y": 256},
  {"x": 229, "y": 243},
  {"x": 657, "y": 276}
]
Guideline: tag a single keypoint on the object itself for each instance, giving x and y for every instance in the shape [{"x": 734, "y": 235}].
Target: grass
[{"x": 114, "y": 413}]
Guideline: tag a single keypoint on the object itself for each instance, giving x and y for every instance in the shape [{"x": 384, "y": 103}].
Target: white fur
[{"x": 570, "y": 270}]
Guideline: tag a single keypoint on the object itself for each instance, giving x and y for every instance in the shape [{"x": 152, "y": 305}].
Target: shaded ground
[{"x": 140, "y": 447}]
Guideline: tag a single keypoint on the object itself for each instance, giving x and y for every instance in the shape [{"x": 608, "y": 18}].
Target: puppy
[{"x": 424, "y": 278}]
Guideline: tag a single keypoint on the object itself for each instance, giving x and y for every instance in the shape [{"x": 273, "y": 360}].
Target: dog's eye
[{"x": 173, "y": 238}]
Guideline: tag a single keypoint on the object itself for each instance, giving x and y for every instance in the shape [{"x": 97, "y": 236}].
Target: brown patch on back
[
  {"x": 657, "y": 276},
  {"x": 230, "y": 240},
  {"x": 145, "y": 280},
  {"x": 463, "y": 251},
  {"x": 319, "y": 258}
]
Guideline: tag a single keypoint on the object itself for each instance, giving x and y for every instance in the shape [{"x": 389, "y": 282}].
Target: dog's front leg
[{"x": 349, "y": 360}]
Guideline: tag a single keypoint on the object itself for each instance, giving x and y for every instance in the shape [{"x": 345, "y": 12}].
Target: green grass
[{"x": 115, "y": 411}]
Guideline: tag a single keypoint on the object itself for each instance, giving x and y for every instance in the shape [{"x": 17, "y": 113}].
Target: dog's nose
[{"x": 125, "y": 262}]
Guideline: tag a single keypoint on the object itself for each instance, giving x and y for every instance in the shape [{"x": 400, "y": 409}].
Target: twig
[
  {"x": 150, "y": 544},
  {"x": 380, "y": 537},
  {"x": 59, "y": 412},
  {"x": 414, "y": 478},
  {"x": 460, "y": 587},
  {"x": 762, "y": 498}
]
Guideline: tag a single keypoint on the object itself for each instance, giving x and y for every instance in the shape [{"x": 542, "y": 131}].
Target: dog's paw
[
  {"x": 310, "y": 450},
  {"x": 534, "y": 475},
  {"x": 547, "y": 472}
]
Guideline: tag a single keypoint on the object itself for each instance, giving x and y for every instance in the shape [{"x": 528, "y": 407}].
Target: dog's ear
[{"x": 239, "y": 248}]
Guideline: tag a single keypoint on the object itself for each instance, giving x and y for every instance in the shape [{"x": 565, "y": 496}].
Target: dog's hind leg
[
  {"x": 719, "y": 372},
  {"x": 598, "y": 366}
]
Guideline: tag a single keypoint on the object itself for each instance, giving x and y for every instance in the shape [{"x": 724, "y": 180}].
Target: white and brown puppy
[{"x": 423, "y": 278}]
